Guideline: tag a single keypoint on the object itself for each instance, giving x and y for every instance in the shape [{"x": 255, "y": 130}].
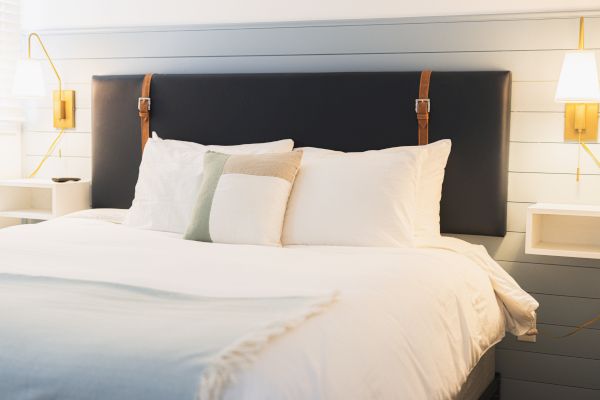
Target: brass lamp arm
[
  {"x": 64, "y": 104},
  {"x": 589, "y": 151},
  {"x": 33, "y": 34}
]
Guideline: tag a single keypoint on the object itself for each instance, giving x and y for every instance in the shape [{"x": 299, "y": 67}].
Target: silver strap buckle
[
  {"x": 417, "y": 101},
  {"x": 140, "y": 99}
]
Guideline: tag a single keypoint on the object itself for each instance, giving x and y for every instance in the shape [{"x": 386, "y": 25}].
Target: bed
[{"x": 92, "y": 308}]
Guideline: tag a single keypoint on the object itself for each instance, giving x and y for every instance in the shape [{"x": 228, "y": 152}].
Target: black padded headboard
[{"x": 340, "y": 111}]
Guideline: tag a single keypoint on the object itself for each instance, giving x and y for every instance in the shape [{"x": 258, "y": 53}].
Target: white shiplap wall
[
  {"x": 541, "y": 166},
  {"x": 10, "y": 157}
]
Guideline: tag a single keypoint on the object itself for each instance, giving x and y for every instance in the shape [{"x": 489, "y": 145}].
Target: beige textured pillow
[{"x": 243, "y": 198}]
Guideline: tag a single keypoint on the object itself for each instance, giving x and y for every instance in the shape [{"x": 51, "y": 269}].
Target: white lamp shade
[
  {"x": 578, "y": 82},
  {"x": 29, "y": 80}
]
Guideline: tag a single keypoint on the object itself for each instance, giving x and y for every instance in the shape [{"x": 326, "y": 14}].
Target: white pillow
[
  {"x": 433, "y": 159},
  {"x": 353, "y": 199},
  {"x": 170, "y": 177},
  {"x": 429, "y": 188}
]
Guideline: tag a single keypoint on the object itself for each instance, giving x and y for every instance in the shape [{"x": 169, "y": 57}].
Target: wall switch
[
  {"x": 527, "y": 338},
  {"x": 530, "y": 338}
]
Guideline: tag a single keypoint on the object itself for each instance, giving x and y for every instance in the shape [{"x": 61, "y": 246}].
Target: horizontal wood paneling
[
  {"x": 584, "y": 344},
  {"x": 517, "y": 213},
  {"x": 40, "y": 120},
  {"x": 83, "y": 95},
  {"x": 10, "y": 149},
  {"x": 525, "y": 65},
  {"x": 556, "y": 279},
  {"x": 546, "y": 368},
  {"x": 398, "y": 37},
  {"x": 535, "y": 127},
  {"x": 512, "y": 248},
  {"x": 513, "y": 389},
  {"x": 567, "y": 311},
  {"x": 72, "y": 144},
  {"x": 536, "y": 95},
  {"x": 551, "y": 158},
  {"x": 71, "y": 166},
  {"x": 553, "y": 188}
]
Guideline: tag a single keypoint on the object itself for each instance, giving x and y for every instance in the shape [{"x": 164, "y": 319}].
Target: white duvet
[{"x": 409, "y": 323}]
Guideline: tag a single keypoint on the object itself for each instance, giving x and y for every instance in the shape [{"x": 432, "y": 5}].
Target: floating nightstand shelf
[
  {"x": 565, "y": 230},
  {"x": 40, "y": 199}
]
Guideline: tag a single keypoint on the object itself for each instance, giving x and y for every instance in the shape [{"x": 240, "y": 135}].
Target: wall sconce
[
  {"x": 29, "y": 82},
  {"x": 578, "y": 88}
]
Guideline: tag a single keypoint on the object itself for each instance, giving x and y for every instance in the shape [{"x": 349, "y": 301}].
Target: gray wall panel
[
  {"x": 391, "y": 37},
  {"x": 550, "y": 341},
  {"x": 546, "y": 368},
  {"x": 556, "y": 279},
  {"x": 567, "y": 311},
  {"x": 513, "y": 389}
]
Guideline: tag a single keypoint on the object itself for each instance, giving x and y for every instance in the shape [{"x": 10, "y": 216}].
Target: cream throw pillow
[{"x": 243, "y": 198}]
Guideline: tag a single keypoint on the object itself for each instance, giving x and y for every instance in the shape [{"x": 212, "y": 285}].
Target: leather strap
[
  {"x": 144, "y": 105},
  {"x": 423, "y": 106}
]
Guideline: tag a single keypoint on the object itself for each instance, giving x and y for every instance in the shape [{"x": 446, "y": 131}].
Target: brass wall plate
[
  {"x": 590, "y": 134},
  {"x": 68, "y": 97}
]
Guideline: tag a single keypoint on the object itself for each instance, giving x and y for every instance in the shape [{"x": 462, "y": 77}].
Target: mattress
[{"x": 408, "y": 323}]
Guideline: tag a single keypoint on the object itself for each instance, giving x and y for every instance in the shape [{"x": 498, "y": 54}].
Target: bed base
[
  {"x": 492, "y": 392},
  {"x": 483, "y": 383}
]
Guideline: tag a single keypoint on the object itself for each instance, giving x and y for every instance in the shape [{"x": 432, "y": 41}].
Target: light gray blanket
[{"x": 78, "y": 340}]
